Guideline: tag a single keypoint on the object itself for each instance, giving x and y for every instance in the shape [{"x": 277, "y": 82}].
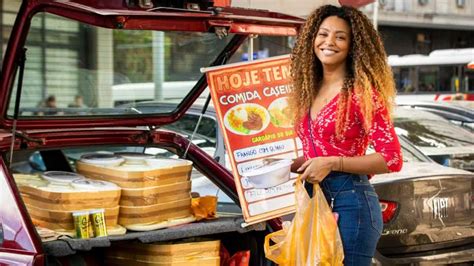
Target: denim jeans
[{"x": 360, "y": 217}]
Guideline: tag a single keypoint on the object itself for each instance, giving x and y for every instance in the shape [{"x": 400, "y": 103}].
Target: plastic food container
[
  {"x": 61, "y": 176},
  {"x": 102, "y": 159},
  {"x": 270, "y": 175},
  {"x": 167, "y": 163},
  {"x": 134, "y": 157}
]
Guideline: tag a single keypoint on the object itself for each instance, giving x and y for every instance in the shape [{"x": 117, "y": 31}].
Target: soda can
[
  {"x": 81, "y": 224},
  {"x": 98, "y": 222}
]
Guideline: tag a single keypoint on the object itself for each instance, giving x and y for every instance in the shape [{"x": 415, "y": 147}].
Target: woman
[{"x": 343, "y": 95}]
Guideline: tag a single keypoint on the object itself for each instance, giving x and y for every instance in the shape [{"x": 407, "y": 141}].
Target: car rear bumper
[{"x": 457, "y": 255}]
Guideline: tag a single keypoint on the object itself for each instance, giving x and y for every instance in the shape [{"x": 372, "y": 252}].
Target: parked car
[
  {"x": 426, "y": 207},
  {"x": 457, "y": 112},
  {"x": 444, "y": 142},
  {"x": 78, "y": 47}
]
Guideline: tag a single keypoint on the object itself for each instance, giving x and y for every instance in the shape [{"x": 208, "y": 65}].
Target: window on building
[
  {"x": 446, "y": 74},
  {"x": 8, "y": 10},
  {"x": 423, "y": 2},
  {"x": 428, "y": 79},
  {"x": 460, "y": 3},
  {"x": 53, "y": 58}
]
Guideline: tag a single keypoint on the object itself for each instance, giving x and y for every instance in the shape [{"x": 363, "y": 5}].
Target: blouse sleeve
[{"x": 384, "y": 139}]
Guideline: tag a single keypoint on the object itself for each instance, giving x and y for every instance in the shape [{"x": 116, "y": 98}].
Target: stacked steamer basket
[
  {"x": 52, "y": 198},
  {"x": 204, "y": 253},
  {"x": 153, "y": 190}
]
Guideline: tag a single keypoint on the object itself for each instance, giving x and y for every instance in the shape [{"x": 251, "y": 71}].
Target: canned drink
[
  {"x": 81, "y": 224},
  {"x": 98, "y": 222}
]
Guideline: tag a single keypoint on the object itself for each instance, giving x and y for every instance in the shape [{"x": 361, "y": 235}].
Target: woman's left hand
[{"x": 316, "y": 169}]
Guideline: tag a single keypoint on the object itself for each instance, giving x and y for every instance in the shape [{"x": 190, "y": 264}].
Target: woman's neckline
[{"x": 322, "y": 108}]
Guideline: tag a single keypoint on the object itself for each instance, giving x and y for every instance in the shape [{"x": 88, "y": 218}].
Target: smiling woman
[
  {"x": 343, "y": 92},
  {"x": 332, "y": 41}
]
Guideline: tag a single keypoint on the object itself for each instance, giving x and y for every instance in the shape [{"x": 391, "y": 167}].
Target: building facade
[
  {"x": 106, "y": 68},
  {"x": 406, "y": 26},
  {"x": 421, "y": 26},
  {"x": 81, "y": 56}
]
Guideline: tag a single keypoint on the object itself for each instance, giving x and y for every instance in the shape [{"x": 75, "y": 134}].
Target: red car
[
  {"x": 62, "y": 61},
  {"x": 63, "y": 102}
]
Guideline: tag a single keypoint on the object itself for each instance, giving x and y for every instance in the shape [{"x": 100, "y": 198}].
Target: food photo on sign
[{"x": 251, "y": 102}]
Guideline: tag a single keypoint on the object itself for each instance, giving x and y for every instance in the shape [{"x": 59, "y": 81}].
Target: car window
[
  {"x": 410, "y": 152},
  {"x": 412, "y": 156},
  {"x": 468, "y": 126},
  {"x": 434, "y": 133},
  {"x": 64, "y": 76},
  {"x": 206, "y": 131}
]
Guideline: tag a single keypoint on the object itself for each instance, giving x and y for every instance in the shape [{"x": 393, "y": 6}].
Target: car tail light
[{"x": 389, "y": 208}]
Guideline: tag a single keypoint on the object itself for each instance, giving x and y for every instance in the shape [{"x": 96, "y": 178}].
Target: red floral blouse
[{"x": 355, "y": 139}]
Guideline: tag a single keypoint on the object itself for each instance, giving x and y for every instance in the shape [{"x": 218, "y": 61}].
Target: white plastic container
[
  {"x": 134, "y": 158},
  {"x": 61, "y": 176},
  {"x": 270, "y": 175},
  {"x": 102, "y": 159}
]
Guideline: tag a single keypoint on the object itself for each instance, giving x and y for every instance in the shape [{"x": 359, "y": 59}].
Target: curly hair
[{"x": 369, "y": 77}]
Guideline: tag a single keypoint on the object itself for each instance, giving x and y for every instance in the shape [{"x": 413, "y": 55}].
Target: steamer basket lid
[
  {"x": 61, "y": 176},
  {"x": 134, "y": 157},
  {"x": 167, "y": 162},
  {"x": 106, "y": 159}
]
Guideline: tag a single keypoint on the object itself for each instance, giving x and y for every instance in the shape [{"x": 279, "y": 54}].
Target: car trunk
[
  {"x": 432, "y": 212},
  {"x": 97, "y": 39}
]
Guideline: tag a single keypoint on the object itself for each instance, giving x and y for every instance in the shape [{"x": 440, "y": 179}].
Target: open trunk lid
[{"x": 77, "y": 48}]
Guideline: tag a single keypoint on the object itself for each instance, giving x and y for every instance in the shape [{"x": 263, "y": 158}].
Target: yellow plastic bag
[
  {"x": 204, "y": 207},
  {"x": 312, "y": 238}
]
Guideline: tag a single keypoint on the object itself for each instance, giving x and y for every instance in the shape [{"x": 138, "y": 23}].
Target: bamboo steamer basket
[
  {"x": 155, "y": 195},
  {"x": 205, "y": 253},
  {"x": 76, "y": 195},
  {"x": 55, "y": 220},
  {"x": 140, "y": 176},
  {"x": 69, "y": 201},
  {"x": 51, "y": 204},
  {"x": 130, "y": 215},
  {"x": 153, "y": 192},
  {"x": 208, "y": 261}
]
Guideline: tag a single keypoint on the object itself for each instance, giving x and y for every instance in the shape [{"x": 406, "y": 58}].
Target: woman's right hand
[{"x": 316, "y": 169}]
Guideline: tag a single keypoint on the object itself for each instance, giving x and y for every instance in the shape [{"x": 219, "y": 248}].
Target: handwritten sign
[{"x": 251, "y": 101}]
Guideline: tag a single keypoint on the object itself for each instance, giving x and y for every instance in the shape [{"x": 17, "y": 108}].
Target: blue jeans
[{"x": 360, "y": 217}]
